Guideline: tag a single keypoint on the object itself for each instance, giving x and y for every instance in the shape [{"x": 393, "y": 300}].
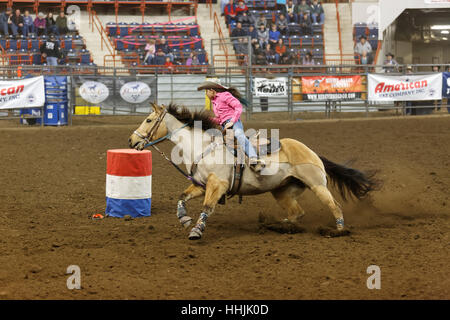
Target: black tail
[{"x": 350, "y": 181}]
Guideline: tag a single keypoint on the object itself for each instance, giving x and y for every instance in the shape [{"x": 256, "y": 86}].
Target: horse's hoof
[
  {"x": 195, "y": 234},
  {"x": 185, "y": 221}
]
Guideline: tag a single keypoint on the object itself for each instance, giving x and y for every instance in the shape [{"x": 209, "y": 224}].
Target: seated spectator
[
  {"x": 17, "y": 23},
  {"x": 150, "y": 49},
  {"x": 281, "y": 50},
  {"x": 390, "y": 63},
  {"x": 253, "y": 34},
  {"x": 40, "y": 24},
  {"x": 282, "y": 24},
  {"x": 241, "y": 8},
  {"x": 317, "y": 13},
  {"x": 5, "y": 18},
  {"x": 165, "y": 48},
  {"x": 289, "y": 10},
  {"x": 306, "y": 24},
  {"x": 61, "y": 23},
  {"x": 363, "y": 46},
  {"x": 303, "y": 8},
  {"x": 168, "y": 64},
  {"x": 160, "y": 58},
  {"x": 239, "y": 35},
  {"x": 287, "y": 59},
  {"x": 263, "y": 36},
  {"x": 271, "y": 56},
  {"x": 192, "y": 60},
  {"x": 274, "y": 36},
  {"x": 245, "y": 19},
  {"x": 262, "y": 20},
  {"x": 230, "y": 13},
  {"x": 50, "y": 24},
  {"x": 223, "y": 3},
  {"x": 308, "y": 59},
  {"x": 28, "y": 25}
]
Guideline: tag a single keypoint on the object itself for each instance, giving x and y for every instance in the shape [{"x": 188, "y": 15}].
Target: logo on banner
[
  {"x": 31, "y": 98},
  {"x": 94, "y": 92},
  {"x": 270, "y": 87},
  {"x": 135, "y": 92}
]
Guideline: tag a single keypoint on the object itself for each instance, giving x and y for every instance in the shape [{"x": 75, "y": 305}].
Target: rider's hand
[{"x": 229, "y": 125}]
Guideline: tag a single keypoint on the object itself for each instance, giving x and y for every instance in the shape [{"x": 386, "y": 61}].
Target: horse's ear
[{"x": 155, "y": 107}]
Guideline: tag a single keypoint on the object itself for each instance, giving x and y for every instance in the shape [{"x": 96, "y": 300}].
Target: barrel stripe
[
  {"x": 135, "y": 208},
  {"x": 128, "y": 187},
  {"x": 129, "y": 163}
]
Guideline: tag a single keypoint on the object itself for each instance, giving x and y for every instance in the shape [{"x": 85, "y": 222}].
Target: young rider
[{"x": 227, "y": 109}]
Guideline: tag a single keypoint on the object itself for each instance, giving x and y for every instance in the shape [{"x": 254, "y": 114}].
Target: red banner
[{"x": 332, "y": 84}]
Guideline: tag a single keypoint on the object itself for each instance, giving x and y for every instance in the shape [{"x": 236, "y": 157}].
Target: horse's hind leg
[
  {"x": 215, "y": 189},
  {"x": 191, "y": 192},
  {"x": 287, "y": 199},
  {"x": 315, "y": 178}
]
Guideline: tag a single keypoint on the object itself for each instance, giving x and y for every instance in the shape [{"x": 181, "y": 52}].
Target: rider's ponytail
[{"x": 235, "y": 92}]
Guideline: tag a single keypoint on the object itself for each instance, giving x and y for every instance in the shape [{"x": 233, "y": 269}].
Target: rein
[{"x": 167, "y": 136}]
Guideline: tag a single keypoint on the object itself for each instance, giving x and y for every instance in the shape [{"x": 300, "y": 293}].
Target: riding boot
[{"x": 256, "y": 164}]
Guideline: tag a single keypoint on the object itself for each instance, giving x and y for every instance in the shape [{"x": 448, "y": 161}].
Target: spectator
[
  {"x": 282, "y": 24},
  {"x": 230, "y": 12},
  {"x": 165, "y": 48},
  {"x": 280, "y": 50},
  {"x": 271, "y": 56},
  {"x": 274, "y": 36},
  {"x": 362, "y": 46},
  {"x": 317, "y": 13},
  {"x": 262, "y": 20},
  {"x": 28, "y": 24},
  {"x": 287, "y": 59},
  {"x": 435, "y": 68},
  {"x": 168, "y": 64},
  {"x": 306, "y": 24},
  {"x": 50, "y": 51},
  {"x": 50, "y": 24},
  {"x": 409, "y": 104},
  {"x": 308, "y": 59},
  {"x": 253, "y": 34},
  {"x": 192, "y": 60},
  {"x": 259, "y": 56},
  {"x": 61, "y": 23},
  {"x": 239, "y": 43},
  {"x": 17, "y": 23},
  {"x": 390, "y": 64},
  {"x": 223, "y": 3},
  {"x": 241, "y": 8},
  {"x": 160, "y": 58},
  {"x": 150, "y": 49},
  {"x": 303, "y": 8},
  {"x": 40, "y": 24},
  {"x": 263, "y": 36},
  {"x": 245, "y": 19},
  {"x": 289, "y": 10},
  {"x": 5, "y": 17}
]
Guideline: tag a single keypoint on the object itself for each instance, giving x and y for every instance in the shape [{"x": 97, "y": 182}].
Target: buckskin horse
[{"x": 293, "y": 168}]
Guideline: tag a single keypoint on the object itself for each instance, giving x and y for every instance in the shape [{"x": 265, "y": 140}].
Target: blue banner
[{"x": 445, "y": 84}]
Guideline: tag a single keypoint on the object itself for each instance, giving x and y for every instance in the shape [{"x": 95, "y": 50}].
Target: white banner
[
  {"x": 276, "y": 87},
  {"x": 405, "y": 88},
  {"x": 24, "y": 93}
]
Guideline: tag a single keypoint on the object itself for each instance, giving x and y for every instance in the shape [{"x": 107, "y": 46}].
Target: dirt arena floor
[{"x": 53, "y": 181}]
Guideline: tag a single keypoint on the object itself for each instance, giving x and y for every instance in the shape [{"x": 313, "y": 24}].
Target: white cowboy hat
[{"x": 211, "y": 84}]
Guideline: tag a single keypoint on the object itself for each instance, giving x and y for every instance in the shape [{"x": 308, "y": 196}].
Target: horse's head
[{"x": 151, "y": 129}]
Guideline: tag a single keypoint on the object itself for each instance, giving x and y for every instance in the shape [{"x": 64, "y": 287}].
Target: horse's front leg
[
  {"x": 191, "y": 192},
  {"x": 215, "y": 188}
]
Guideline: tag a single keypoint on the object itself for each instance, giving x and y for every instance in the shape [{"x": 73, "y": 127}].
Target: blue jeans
[
  {"x": 322, "y": 18},
  {"x": 52, "y": 61},
  {"x": 242, "y": 140},
  {"x": 28, "y": 29}
]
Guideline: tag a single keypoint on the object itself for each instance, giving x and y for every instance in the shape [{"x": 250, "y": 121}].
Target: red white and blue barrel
[{"x": 128, "y": 183}]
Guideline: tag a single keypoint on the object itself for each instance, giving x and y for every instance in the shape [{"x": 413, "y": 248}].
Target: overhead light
[
  {"x": 444, "y": 38},
  {"x": 445, "y": 32},
  {"x": 440, "y": 27}
]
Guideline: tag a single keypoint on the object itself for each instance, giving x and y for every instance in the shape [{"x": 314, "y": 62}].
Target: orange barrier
[{"x": 339, "y": 27}]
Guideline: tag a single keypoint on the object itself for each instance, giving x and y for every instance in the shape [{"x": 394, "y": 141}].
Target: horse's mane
[{"x": 184, "y": 115}]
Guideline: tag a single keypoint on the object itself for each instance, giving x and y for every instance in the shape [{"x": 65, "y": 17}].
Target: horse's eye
[{"x": 149, "y": 120}]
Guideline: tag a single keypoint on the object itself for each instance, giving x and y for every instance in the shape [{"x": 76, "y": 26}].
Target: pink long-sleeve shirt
[{"x": 226, "y": 106}]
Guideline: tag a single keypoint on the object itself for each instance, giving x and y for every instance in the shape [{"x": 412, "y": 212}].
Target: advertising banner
[
  {"x": 446, "y": 85},
  {"x": 276, "y": 87},
  {"x": 26, "y": 93},
  {"x": 337, "y": 88},
  {"x": 405, "y": 88}
]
